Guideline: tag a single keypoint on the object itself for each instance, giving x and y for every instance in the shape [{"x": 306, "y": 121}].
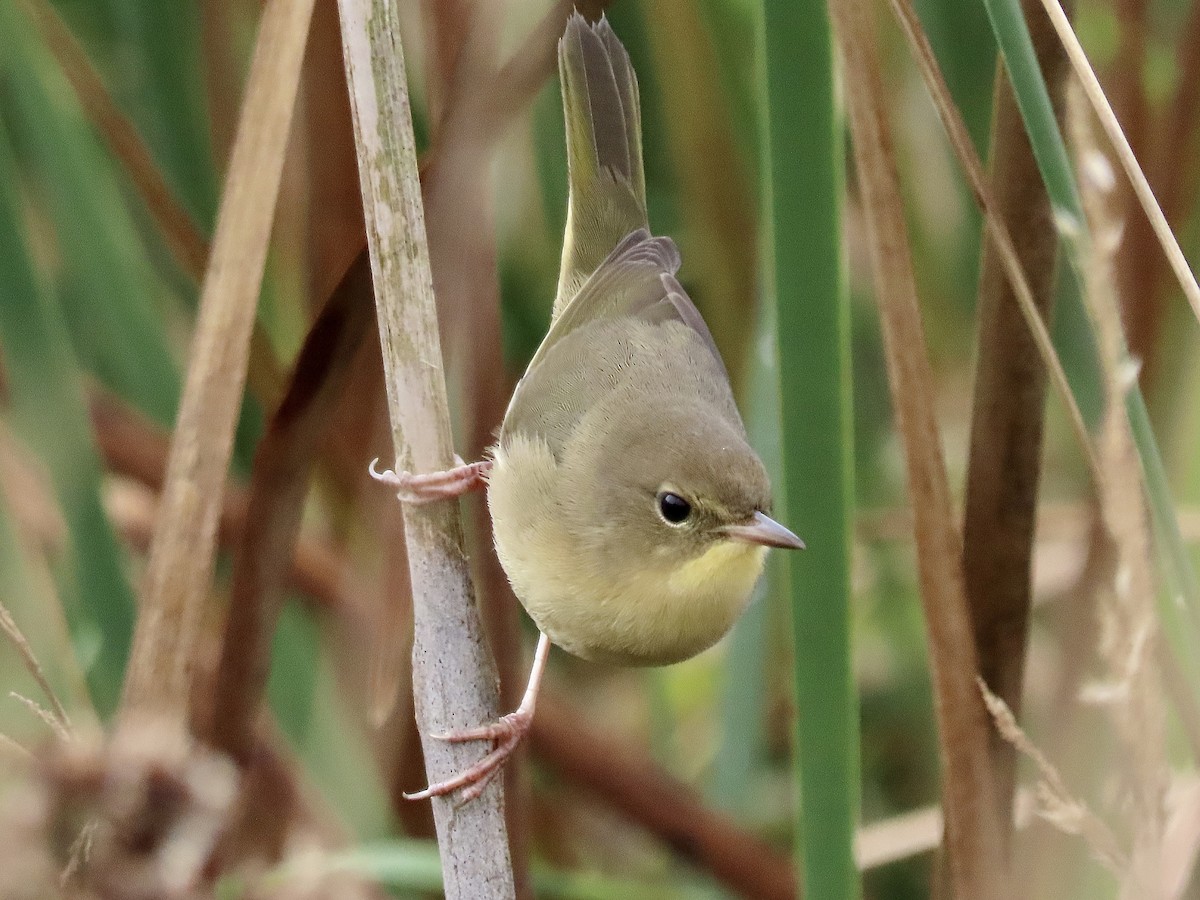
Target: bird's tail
[{"x": 604, "y": 150}]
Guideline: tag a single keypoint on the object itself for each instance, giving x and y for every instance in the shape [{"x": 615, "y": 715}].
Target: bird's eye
[{"x": 673, "y": 508}]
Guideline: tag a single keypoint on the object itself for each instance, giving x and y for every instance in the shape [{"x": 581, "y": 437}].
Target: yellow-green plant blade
[
  {"x": 804, "y": 171},
  {"x": 42, "y": 377}
]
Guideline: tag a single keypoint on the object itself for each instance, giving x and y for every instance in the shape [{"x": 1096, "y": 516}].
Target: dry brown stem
[
  {"x": 460, "y": 220},
  {"x": 183, "y": 552},
  {"x": 973, "y": 832},
  {"x": 1004, "y": 468},
  {"x": 282, "y": 466},
  {"x": 1180, "y": 126},
  {"x": 997, "y": 231},
  {"x": 1169, "y": 146},
  {"x": 454, "y": 680},
  {"x": 335, "y": 219}
]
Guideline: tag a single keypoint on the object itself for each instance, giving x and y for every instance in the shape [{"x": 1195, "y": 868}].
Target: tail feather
[
  {"x": 602, "y": 110},
  {"x": 631, "y": 102}
]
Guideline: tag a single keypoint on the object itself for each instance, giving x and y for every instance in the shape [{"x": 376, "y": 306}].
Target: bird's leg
[
  {"x": 447, "y": 485},
  {"x": 507, "y": 732}
]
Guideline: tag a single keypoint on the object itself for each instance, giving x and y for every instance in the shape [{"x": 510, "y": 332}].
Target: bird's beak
[{"x": 762, "y": 529}]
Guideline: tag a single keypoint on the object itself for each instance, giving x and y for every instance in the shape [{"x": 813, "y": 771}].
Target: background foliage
[{"x": 96, "y": 306}]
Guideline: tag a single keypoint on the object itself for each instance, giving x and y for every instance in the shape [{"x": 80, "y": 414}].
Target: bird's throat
[{"x": 726, "y": 569}]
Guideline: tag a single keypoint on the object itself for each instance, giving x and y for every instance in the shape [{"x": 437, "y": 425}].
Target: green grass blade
[
  {"x": 804, "y": 168},
  {"x": 149, "y": 54},
  {"x": 1033, "y": 99},
  {"x": 42, "y": 376},
  {"x": 107, "y": 286}
]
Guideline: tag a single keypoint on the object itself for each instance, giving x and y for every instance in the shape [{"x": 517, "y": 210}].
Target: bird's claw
[
  {"x": 507, "y": 732},
  {"x": 433, "y": 486}
]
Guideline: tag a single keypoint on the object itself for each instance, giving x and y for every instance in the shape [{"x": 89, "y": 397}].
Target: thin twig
[
  {"x": 9, "y": 626},
  {"x": 183, "y": 553},
  {"x": 453, "y": 676},
  {"x": 1141, "y": 187}
]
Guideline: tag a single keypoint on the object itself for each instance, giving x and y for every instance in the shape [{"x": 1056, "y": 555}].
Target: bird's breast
[{"x": 647, "y": 614}]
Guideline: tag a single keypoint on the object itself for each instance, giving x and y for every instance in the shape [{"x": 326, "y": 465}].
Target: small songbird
[{"x": 629, "y": 511}]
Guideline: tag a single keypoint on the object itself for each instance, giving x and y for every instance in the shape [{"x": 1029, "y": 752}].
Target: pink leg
[
  {"x": 447, "y": 485},
  {"x": 506, "y": 733}
]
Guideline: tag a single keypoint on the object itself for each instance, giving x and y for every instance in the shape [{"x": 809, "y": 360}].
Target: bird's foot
[
  {"x": 506, "y": 732},
  {"x": 433, "y": 486}
]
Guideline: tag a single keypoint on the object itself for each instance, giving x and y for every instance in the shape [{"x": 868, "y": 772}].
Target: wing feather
[{"x": 580, "y": 359}]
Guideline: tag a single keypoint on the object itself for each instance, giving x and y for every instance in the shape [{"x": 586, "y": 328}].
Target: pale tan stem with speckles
[{"x": 454, "y": 678}]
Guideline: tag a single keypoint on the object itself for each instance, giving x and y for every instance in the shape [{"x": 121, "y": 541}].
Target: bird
[{"x": 629, "y": 511}]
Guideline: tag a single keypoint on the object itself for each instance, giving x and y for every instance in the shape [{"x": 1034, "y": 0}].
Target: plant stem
[
  {"x": 454, "y": 679},
  {"x": 804, "y": 152}
]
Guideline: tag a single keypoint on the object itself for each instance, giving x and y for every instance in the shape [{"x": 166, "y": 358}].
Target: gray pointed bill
[{"x": 762, "y": 529}]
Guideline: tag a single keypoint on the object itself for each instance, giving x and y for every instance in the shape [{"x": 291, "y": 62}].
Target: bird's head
[{"x": 684, "y": 495}]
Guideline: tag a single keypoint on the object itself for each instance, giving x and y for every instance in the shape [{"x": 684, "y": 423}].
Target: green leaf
[
  {"x": 108, "y": 289},
  {"x": 804, "y": 168},
  {"x": 50, "y": 414}
]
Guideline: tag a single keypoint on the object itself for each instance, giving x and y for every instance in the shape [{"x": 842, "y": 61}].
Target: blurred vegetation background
[{"x": 98, "y": 291}]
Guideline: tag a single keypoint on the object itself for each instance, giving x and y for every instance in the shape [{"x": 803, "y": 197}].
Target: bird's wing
[
  {"x": 633, "y": 288},
  {"x": 636, "y": 280}
]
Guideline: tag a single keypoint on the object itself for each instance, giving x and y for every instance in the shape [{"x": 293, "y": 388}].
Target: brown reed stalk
[
  {"x": 182, "y": 554},
  {"x": 1008, "y": 410},
  {"x": 973, "y": 842}
]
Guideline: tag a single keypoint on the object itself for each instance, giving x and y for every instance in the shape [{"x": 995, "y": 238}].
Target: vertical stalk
[
  {"x": 975, "y": 867},
  {"x": 183, "y": 552},
  {"x": 803, "y": 166},
  {"x": 454, "y": 679},
  {"x": 1009, "y": 410}
]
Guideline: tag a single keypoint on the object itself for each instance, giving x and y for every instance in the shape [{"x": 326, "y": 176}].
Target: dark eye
[{"x": 673, "y": 507}]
